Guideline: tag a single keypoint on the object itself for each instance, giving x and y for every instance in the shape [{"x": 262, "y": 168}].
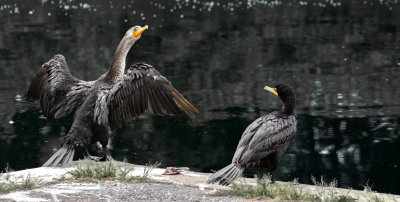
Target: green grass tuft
[
  {"x": 11, "y": 183},
  {"x": 109, "y": 171},
  {"x": 322, "y": 183},
  {"x": 149, "y": 167},
  {"x": 283, "y": 192},
  {"x": 368, "y": 189}
]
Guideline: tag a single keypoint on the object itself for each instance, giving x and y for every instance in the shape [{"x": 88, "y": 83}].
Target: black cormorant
[
  {"x": 103, "y": 105},
  {"x": 264, "y": 141}
]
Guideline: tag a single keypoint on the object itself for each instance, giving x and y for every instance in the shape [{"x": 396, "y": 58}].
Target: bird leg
[
  {"x": 93, "y": 158},
  {"x": 105, "y": 156},
  {"x": 272, "y": 174},
  {"x": 263, "y": 179},
  {"x": 270, "y": 163}
]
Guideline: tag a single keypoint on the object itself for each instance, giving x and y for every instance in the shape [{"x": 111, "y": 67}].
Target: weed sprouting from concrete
[
  {"x": 9, "y": 183},
  {"x": 284, "y": 192},
  {"x": 322, "y": 183},
  {"x": 368, "y": 189},
  {"x": 29, "y": 183},
  {"x": 149, "y": 167},
  {"x": 109, "y": 171},
  {"x": 95, "y": 171}
]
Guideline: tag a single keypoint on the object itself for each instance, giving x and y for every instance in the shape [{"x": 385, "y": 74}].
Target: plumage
[
  {"x": 52, "y": 85},
  {"x": 264, "y": 141},
  {"x": 138, "y": 86},
  {"x": 105, "y": 104}
]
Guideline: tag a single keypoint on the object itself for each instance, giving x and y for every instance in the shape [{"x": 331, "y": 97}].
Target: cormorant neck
[
  {"x": 289, "y": 104},
  {"x": 117, "y": 67}
]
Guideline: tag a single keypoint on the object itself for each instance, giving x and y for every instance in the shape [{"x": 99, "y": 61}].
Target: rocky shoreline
[{"x": 185, "y": 186}]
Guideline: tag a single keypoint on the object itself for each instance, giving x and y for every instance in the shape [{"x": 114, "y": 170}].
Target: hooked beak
[
  {"x": 272, "y": 90},
  {"x": 139, "y": 31}
]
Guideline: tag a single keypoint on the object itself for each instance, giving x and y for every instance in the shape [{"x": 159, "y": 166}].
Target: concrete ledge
[{"x": 192, "y": 182}]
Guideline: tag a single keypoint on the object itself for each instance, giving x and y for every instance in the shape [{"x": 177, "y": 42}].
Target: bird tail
[
  {"x": 62, "y": 157},
  {"x": 226, "y": 175}
]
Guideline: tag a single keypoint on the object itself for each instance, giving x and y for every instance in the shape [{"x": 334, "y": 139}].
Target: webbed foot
[{"x": 106, "y": 156}]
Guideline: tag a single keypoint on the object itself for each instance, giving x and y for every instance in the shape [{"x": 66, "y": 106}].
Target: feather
[
  {"x": 226, "y": 175},
  {"x": 53, "y": 85},
  {"x": 64, "y": 155},
  {"x": 142, "y": 88}
]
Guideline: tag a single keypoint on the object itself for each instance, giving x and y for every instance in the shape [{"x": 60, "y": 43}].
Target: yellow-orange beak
[
  {"x": 139, "y": 31},
  {"x": 272, "y": 90}
]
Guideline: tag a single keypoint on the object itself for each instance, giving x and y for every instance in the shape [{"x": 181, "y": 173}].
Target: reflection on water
[{"x": 341, "y": 58}]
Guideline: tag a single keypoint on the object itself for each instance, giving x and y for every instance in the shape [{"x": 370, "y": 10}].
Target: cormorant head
[
  {"x": 286, "y": 93},
  {"x": 135, "y": 32}
]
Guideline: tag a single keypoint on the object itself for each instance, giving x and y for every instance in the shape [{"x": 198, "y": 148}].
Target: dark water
[{"x": 342, "y": 58}]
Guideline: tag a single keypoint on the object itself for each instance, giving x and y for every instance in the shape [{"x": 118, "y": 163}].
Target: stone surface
[
  {"x": 152, "y": 191},
  {"x": 187, "y": 186}
]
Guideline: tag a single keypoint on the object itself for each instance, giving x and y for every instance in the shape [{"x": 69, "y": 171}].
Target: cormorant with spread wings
[{"x": 103, "y": 105}]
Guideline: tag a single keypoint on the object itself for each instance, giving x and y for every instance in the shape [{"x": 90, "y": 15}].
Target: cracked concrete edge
[{"x": 48, "y": 175}]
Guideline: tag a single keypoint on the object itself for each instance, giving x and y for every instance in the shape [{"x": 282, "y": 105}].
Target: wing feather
[
  {"x": 157, "y": 102},
  {"x": 265, "y": 135},
  {"x": 141, "y": 88},
  {"x": 58, "y": 91}
]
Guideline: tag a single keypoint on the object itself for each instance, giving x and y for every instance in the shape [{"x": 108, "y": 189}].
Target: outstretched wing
[
  {"x": 58, "y": 91},
  {"x": 141, "y": 88},
  {"x": 264, "y": 136}
]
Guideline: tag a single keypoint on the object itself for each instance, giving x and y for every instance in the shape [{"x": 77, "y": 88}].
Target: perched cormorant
[
  {"x": 264, "y": 141},
  {"x": 103, "y": 105}
]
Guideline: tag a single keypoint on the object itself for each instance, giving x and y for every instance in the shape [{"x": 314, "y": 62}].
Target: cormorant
[
  {"x": 264, "y": 141},
  {"x": 103, "y": 105}
]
